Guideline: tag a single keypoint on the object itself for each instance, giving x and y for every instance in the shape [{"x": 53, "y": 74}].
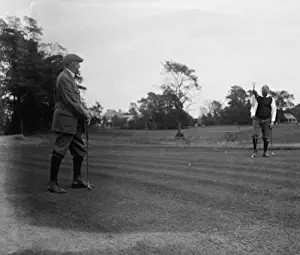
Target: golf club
[
  {"x": 87, "y": 157},
  {"x": 271, "y": 147}
]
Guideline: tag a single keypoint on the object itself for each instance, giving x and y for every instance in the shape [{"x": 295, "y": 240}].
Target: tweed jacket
[{"x": 69, "y": 112}]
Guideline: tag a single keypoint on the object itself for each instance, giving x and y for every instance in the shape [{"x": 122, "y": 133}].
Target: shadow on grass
[
  {"x": 43, "y": 252},
  {"x": 49, "y": 252},
  {"x": 25, "y": 171},
  {"x": 94, "y": 252},
  {"x": 135, "y": 250},
  {"x": 144, "y": 247}
]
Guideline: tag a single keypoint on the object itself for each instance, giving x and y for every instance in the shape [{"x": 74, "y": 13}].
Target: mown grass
[
  {"x": 152, "y": 201},
  {"x": 283, "y": 133},
  {"x": 196, "y": 136}
]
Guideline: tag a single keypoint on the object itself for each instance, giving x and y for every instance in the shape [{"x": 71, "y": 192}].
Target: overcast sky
[{"x": 123, "y": 43}]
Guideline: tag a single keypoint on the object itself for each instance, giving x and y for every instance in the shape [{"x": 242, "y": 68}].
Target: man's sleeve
[
  {"x": 67, "y": 95},
  {"x": 255, "y": 93},
  {"x": 274, "y": 110},
  {"x": 253, "y": 106}
]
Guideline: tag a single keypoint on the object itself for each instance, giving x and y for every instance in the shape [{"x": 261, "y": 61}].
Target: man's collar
[{"x": 71, "y": 73}]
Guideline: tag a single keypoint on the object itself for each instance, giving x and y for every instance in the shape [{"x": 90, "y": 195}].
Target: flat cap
[
  {"x": 72, "y": 57},
  {"x": 265, "y": 87}
]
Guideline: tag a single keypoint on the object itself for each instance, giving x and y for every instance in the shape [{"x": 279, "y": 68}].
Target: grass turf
[
  {"x": 153, "y": 201},
  {"x": 285, "y": 136}
]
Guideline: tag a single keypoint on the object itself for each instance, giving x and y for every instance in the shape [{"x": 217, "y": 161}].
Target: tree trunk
[
  {"x": 16, "y": 117},
  {"x": 154, "y": 125},
  {"x": 179, "y": 127},
  {"x": 179, "y": 112},
  {"x": 2, "y": 114},
  {"x": 21, "y": 125},
  {"x": 20, "y": 115},
  {"x": 179, "y": 134}
]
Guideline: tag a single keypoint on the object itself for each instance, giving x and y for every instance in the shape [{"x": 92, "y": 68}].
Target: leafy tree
[
  {"x": 203, "y": 111},
  {"x": 283, "y": 99},
  {"x": 215, "y": 108},
  {"x": 133, "y": 109},
  {"x": 237, "y": 97},
  {"x": 238, "y": 109},
  {"x": 153, "y": 109},
  {"x": 28, "y": 75},
  {"x": 2, "y": 113},
  {"x": 95, "y": 112},
  {"x": 51, "y": 49},
  {"x": 211, "y": 115},
  {"x": 21, "y": 62},
  {"x": 296, "y": 111},
  {"x": 181, "y": 86}
]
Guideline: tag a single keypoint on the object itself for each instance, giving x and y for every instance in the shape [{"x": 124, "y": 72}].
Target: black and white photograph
[{"x": 149, "y": 127}]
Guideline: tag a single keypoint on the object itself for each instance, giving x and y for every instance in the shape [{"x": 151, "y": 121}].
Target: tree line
[
  {"x": 154, "y": 111},
  {"x": 29, "y": 68},
  {"x": 28, "y": 71},
  {"x": 236, "y": 110},
  {"x": 167, "y": 109}
]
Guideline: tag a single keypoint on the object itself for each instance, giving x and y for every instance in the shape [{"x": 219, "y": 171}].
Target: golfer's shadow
[{"x": 26, "y": 174}]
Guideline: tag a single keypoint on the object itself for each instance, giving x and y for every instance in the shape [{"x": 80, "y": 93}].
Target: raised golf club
[{"x": 263, "y": 114}]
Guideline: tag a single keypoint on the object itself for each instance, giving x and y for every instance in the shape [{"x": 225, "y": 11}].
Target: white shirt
[{"x": 254, "y": 108}]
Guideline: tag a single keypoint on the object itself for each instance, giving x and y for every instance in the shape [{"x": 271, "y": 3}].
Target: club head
[{"x": 89, "y": 186}]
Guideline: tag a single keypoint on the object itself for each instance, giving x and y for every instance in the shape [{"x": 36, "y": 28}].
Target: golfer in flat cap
[
  {"x": 263, "y": 113},
  {"x": 69, "y": 119}
]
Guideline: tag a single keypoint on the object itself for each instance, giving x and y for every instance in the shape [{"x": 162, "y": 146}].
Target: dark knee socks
[
  {"x": 77, "y": 162},
  {"x": 55, "y": 164},
  {"x": 254, "y": 140},
  {"x": 266, "y": 143}
]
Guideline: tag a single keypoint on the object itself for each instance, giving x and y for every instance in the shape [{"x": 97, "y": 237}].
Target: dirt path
[{"x": 153, "y": 201}]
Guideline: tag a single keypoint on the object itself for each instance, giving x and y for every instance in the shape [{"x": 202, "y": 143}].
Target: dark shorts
[
  {"x": 263, "y": 126},
  {"x": 73, "y": 143}
]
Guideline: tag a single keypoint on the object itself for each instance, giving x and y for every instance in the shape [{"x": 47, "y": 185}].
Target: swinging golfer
[
  {"x": 263, "y": 113},
  {"x": 68, "y": 124}
]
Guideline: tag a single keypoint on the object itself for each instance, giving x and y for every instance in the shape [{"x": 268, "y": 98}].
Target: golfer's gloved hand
[{"x": 272, "y": 124}]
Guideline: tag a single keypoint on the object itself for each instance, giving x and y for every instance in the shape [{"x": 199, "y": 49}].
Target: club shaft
[{"x": 271, "y": 141}]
